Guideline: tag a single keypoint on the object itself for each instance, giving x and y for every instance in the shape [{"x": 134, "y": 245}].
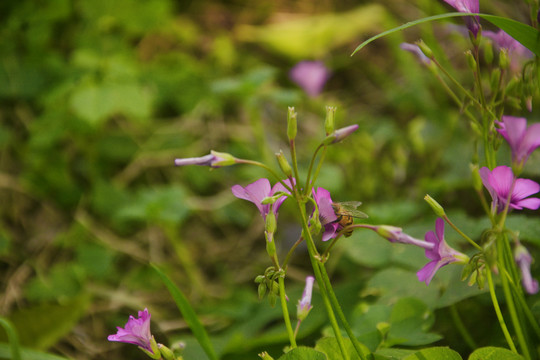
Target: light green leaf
[
  {"x": 28, "y": 354},
  {"x": 303, "y": 353},
  {"x": 435, "y": 353},
  {"x": 494, "y": 353},
  {"x": 330, "y": 347}
]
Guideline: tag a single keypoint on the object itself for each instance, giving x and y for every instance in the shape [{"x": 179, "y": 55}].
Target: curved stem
[
  {"x": 292, "y": 148},
  {"x": 307, "y": 187},
  {"x": 289, "y": 254},
  {"x": 285, "y": 310},
  {"x": 471, "y": 241},
  {"x": 267, "y": 168},
  {"x": 499, "y": 313},
  {"x": 12, "y": 337}
]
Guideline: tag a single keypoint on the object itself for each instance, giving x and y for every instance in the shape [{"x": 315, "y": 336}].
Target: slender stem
[
  {"x": 297, "y": 328},
  {"x": 524, "y": 305},
  {"x": 471, "y": 241},
  {"x": 307, "y": 187},
  {"x": 12, "y": 337},
  {"x": 267, "y": 168},
  {"x": 312, "y": 251},
  {"x": 462, "y": 328},
  {"x": 292, "y": 148},
  {"x": 341, "y": 315},
  {"x": 501, "y": 263},
  {"x": 285, "y": 310},
  {"x": 319, "y": 165},
  {"x": 289, "y": 254},
  {"x": 499, "y": 313}
]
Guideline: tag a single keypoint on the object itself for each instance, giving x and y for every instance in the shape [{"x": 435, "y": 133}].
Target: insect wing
[{"x": 350, "y": 209}]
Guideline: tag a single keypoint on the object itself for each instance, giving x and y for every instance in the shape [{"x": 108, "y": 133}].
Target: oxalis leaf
[
  {"x": 525, "y": 34},
  {"x": 189, "y": 315},
  {"x": 303, "y": 353},
  {"x": 494, "y": 353}
]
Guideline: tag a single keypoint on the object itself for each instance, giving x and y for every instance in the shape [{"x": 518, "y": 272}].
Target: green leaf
[
  {"x": 494, "y": 353},
  {"x": 435, "y": 353},
  {"x": 189, "y": 314},
  {"x": 525, "y": 34},
  {"x": 410, "y": 321},
  {"x": 15, "y": 350},
  {"x": 303, "y": 353},
  {"x": 42, "y": 326},
  {"x": 28, "y": 354},
  {"x": 330, "y": 347}
]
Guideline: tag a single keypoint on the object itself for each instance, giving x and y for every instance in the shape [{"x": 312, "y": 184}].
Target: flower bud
[
  {"x": 425, "y": 49},
  {"x": 304, "y": 304},
  {"x": 284, "y": 164},
  {"x": 265, "y": 356},
  {"x": 329, "y": 121},
  {"x": 504, "y": 61},
  {"x": 470, "y": 60},
  {"x": 340, "y": 134},
  {"x": 291, "y": 124},
  {"x": 261, "y": 290},
  {"x": 222, "y": 159},
  {"x": 270, "y": 223},
  {"x": 270, "y": 244},
  {"x": 495, "y": 79},
  {"x": 259, "y": 279},
  {"x": 166, "y": 352},
  {"x": 437, "y": 208}
]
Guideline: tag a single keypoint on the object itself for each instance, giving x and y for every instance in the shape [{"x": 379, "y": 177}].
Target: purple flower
[
  {"x": 499, "y": 182},
  {"x": 136, "y": 331},
  {"x": 310, "y": 76},
  {"x": 505, "y": 41},
  {"x": 304, "y": 304},
  {"x": 214, "y": 159},
  {"x": 258, "y": 190},
  {"x": 524, "y": 260},
  {"x": 468, "y": 6},
  {"x": 327, "y": 215},
  {"x": 523, "y": 140},
  {"x": 340, "y": 134},
  {"x": 415, "y": 49},
  {"x": 440, "y": 255}
]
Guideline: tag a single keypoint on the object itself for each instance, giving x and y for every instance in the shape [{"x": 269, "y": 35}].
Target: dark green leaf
[
  {"x": 434, "y": 353},
  {"x": 494, "y": 353}
]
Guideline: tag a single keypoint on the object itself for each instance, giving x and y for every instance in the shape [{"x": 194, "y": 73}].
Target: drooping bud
[
  {"x": 292, "y": 127},
  {"x": 437, "y": 208},
  {"x": 304, "y": 304},
  {"x": 166, "y": 352},
  {"x": 329, "y": 122},
  {"x": 340, "y": 134},
  {"x": 504, "y": 61},
  {"x": 284, "y": 164},
  {"x": 214, "y": 159},
  {"x": 425, "y": 49}
]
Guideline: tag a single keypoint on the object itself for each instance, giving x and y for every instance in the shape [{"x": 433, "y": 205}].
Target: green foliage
[
  {"x": 494, "y": 353},
  {"x": 302, "y": 352}
]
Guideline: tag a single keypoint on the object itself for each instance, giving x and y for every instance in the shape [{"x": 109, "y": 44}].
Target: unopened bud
[
  {"x": 271, "y": 222},
  {"x": 261, "y": 290},
  {"x": 340, "y": 134},
  {"x": 270, "y": 244},
  {"x": 265, "y": 356},
  {"x": 166, "y": 352},
  {"x": 470, "y": 60},
  {"x": 437, "y": 208},
  {"x": 511, "y": 85},
  {"x": 284, "y": 164},
  {"x": 425, "y": 49},
  {"x": 495, "y": 79},
  {"x": 329, "y": 122},
  {"x": 291, "y": 124},
  {"x": 223, "y": 159},
  {"x": 504, "y": 61}
]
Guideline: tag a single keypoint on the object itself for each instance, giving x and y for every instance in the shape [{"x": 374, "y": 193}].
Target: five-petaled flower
[
  {"x": 136, "y": 331},
  {"x": 523, "y": 140},
  {"x": 440, "y": 255},
  {"x": 304, "y": 304},
  {"x": 327, "y": 215},
  {"x": 310, "y": 76},
  {"x": 468, "y": 6},
  {"x": 260, "y": 189},
  {"x": 524, "y": 260},
  {"x": 500, "y": 181}
]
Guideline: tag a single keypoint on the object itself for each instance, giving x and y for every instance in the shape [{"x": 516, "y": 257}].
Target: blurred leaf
[
  {"x": 330, "y": 347},
  {"x": 494, "y": 353},
  {"x": 95, "y": 260},
  {"x": 434, "y": 353},
  {"x": 529, "y": 227},
  {"x": 163, "y": 204},
  {"x": 410, "y": 322},
  {"x": 316, "y": 35},
  {"x": 42, "y": 326},
  {"x": 303, "y": 353},
  {"x": 189, "y": 314},
  {"x": 60, "y": 283},
  {"x": 368, "y": 249},
  {"x": 95, "y": 103},
  {"x": 394, "y": 354},
  {"x": 28, "y": 354},
  {"x": 393, "y": 284}
]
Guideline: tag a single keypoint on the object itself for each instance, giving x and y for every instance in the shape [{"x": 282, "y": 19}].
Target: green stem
[
  {"x": 12, "y": 338},
  {"x": 462, "y": 328},
  {"x": 310, "y": 169},
  {"x": 285, "y": 310},
  {"x": 312, "y": 251},
  {"x": 501, "y": 263},
  {"x": 267, "y": 168},
  {"x": 524, "y": 306},
  {"x": 471, "y": 241},
  {"x": 289, "y": 254},
  {"x": 499, "y": 313},
  {"x": 292, "y": 148},
  {"x": 341, "y": 315},
  {"x": 319, "y": 165}
]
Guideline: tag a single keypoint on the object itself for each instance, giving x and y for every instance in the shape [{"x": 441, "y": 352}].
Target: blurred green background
[{"x": 98, "y": 97}]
